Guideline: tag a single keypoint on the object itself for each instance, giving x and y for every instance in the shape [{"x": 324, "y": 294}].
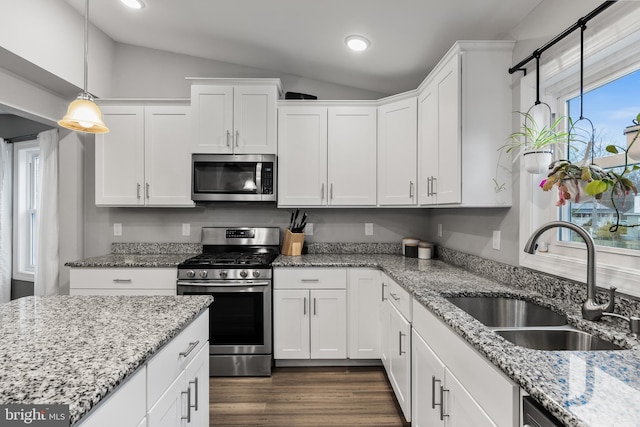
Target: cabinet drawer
[
  {"x": 310, "y": 278},
  {"x": 123, "y": 278},
  {"x": 399, "y": 297},
  {"x": 169, "y": 362}
]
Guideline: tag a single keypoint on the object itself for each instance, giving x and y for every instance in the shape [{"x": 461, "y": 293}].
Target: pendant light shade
[{"x": 84, "y": 115}]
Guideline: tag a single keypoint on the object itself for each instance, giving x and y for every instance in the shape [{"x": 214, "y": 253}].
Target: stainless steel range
[{"x": 235, "y": 268}]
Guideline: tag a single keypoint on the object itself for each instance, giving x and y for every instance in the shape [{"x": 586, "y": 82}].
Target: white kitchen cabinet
[
  {"x": 397, "y": 153},
  {"x": 464, "y": 116},
  {"x": 438, "y": 398},
  {"x": 352, "y": 156},
  {"x": 122, "y": 281},
  {"x": 134, "y": 159},
  {"x": 302, "y": 156},
  {"x": 171, "y": 389},
  {"x": 310, "y": 313},
  {"x": 396, "y": 342},
  {"x": 234, "y": 118},
  {"x": 327, "y": 156},
  {"x": 364, "y": 313},
  {"x": 475, "y": 392}
]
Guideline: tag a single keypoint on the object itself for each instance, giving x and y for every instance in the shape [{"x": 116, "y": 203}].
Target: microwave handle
[{"x": 259, "y": 177}]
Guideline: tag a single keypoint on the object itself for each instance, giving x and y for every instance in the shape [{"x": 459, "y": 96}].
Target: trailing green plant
[{"x": 533, "y": 136}]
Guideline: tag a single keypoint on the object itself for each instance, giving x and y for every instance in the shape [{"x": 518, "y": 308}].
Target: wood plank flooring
[{"x": 305, "y": 397}]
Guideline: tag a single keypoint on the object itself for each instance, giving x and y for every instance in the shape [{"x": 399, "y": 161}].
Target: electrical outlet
[
  {"x": 117, "y": 229},
  {"x": 439, "y": 230},
  {"x": 308, "y": 229},
  {"x": 186, "y": 229},
  {"x": 368, "y": 229},
  {"x": 496, "y": 240}
]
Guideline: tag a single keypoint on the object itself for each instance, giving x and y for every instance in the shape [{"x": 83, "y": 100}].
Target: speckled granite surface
[
  {"x": 76, "y": 349},
  {"x": 156, "y": 248},
  {"x": 151, "y": 255},
  {"x": 354, "y": 248},
  {"x": 599, "y": 388}
]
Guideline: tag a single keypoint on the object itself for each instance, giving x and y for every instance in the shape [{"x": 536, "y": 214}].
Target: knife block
[{"x": 292, "y": 243}]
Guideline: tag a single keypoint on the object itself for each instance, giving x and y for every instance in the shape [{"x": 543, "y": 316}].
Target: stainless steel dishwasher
[{"x": 534, "y": 415}]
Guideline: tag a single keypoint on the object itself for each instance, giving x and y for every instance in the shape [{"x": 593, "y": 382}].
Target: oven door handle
[{"x": 224, "y": 284}]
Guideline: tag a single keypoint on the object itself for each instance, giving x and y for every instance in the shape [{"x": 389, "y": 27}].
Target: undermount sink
[
  {"x": 501, "y": 312},
  {"x": 556, "y": 339}
]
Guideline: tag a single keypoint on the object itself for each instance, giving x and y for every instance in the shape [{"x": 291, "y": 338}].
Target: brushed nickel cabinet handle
[
  {"x": 147, "y": 189},
  {"x": 383, "y": 286},
  {"x": 411, "y": 189},
  {"x": 195, "y": 384},
  {"x": 442, "y": 392},
  {"x": 400, "y": 335},
  {"x": 192, "y": 346},
  {"x": 394, "y": 296},
  {"x": 322, "y": 192},
  {"x": 304, "y": 306},
  {"x": 188, "y": 393},
  {"x": 237, "y": 138},
  {"x": 116, "y": 280},
  {"x": 315, "y": 306},
  {"x": 228, "y": 135},
  {"x": 331, "y": 191},
  {"x": 433, "y": 392},
  {"x": 138, "y": 190},
  {"x": 309, "y": 280}
]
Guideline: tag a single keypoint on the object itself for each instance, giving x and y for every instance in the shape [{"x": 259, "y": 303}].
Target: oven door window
[
  {"x": 236, "y": 318},
  {"x": 225, "y": 177}
]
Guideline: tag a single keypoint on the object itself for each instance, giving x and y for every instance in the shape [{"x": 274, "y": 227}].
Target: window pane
[{"x": 610, "y": 108}]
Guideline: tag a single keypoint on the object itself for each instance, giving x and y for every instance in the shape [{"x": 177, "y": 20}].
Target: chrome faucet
[{"x": 591, "y": 310}]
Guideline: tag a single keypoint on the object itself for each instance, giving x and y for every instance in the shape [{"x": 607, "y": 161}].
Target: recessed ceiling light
[
  {"x": 133, "y": 4},
  {"x": 357, "y": 43}
]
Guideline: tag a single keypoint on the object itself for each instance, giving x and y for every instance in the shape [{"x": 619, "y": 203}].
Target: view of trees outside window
[{"x": 611, "y": 108}]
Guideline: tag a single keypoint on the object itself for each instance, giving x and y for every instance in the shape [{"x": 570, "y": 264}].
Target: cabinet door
[
  {"x": 171, "y": 409},
  {"x": 254, "y": 119},
  {"x": 167, "y": 156},
  {"x": 291, "y": 324},
  {"x": 400, "y": 360},
  {"x": 447, "y": 81},
  {"x": 328, "y": 324},
  {"x": 352, "y": 156},
  {"x": 302, "y": 152},
  {"x": 460, "y": 408},
  {"x": 427, "y": 375},
  {"x": 197, "y": 376},
  {"x": 120, "y": 157},
  {"x": 385, "y": 331},
  {"x": 365, "y": 290},
  {"x": 397, "y": 153},
  {"x": 212, "y": 112},
  {"x": 428, "y": 144}
]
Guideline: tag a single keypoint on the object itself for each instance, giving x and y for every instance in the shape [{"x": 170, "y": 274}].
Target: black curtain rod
[
  {"x": 22, "y": 138},
  {"x": 581, "y": 22}
]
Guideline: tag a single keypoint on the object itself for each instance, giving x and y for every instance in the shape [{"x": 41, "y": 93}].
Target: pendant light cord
[{"x": 86, "y": 45}]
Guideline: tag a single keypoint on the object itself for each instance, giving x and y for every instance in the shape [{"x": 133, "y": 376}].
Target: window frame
[
  {"x": 614, "y": 49},
  {"x": 25, "y": 179}
]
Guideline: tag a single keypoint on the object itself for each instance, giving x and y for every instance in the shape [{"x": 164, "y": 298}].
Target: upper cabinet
[
  {"x": 327, "y": 155},
  {"x": 145, "y": 141},
  {"x": 234, "y": 116},
  {"x": 397, "y": 151},
  {"x": 464, "y": 116}
]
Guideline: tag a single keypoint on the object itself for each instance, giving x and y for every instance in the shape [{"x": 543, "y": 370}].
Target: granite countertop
[
  {"x": 76, "y": 349},
  {"x": 580, "y": 388},
  {"x": 131, "y": 260}
]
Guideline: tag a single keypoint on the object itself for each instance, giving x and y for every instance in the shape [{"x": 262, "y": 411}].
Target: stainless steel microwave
[{"x": 233, "y": 177}]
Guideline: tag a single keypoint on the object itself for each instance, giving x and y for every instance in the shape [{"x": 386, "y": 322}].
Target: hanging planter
[{"x": 537, "y": 161}]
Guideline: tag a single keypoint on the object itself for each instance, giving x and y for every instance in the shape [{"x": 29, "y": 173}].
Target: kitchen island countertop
[
  {"x": 75, "y": 350},
  {"x": 598, "y": 388}
]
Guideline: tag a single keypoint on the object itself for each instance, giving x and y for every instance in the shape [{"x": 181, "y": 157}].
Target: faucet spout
[{"x": 591, "y": 310}]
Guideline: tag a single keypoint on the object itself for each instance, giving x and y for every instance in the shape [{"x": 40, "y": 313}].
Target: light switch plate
[
  {"x": 439, "y": 230},
  {"x": 117, "y": 229},
  {"x": 186, "y": 229},
  {"x": 308, "y": 229},
  {"x": 496, "y": 240}
]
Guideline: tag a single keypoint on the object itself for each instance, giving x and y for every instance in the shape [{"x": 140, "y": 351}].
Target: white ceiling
[{"x": 306, "y": 37}]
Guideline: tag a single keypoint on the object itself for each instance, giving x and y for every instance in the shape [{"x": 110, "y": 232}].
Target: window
[
  {"x": 611, "y": 79},
  {"x": 25, "y": 196},
  {"x": 610, "y": 107}
]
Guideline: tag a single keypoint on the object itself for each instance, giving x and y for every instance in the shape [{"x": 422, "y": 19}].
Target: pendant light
[{"x": 83, "y": 115}]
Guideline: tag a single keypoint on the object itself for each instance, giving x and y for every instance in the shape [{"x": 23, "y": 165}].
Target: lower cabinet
[
  {"x": 172, "y": 389},
  {"x": 310, "y": 323},
  {"x": 453, "y": 384},
  {"x": 397, "y": 350},
  {"x": 122, "y": 281},
  {"x": 364, "y": 294}
]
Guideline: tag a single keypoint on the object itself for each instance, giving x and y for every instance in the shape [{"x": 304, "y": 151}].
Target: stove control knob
[
  {"x": 191, "y": 274},
  {"x": 203, "y": 274},
  {"x": 256, "y": 273},
  {"x": 223, "y": 274},
  {"x": 244, "y": 274}
]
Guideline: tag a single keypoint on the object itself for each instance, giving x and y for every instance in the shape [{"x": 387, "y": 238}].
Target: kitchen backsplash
[
  {"x": 354, "y": 248},
  {"x": 155, "y": 248}
]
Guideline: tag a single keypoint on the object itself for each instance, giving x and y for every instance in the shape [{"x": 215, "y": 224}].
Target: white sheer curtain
[
  {"x": 6, "y": 225},
  {"x": 47, "y": 228}
]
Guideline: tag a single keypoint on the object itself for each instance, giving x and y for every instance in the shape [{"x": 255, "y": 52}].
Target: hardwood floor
[{"x": 304, "y": 397}]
